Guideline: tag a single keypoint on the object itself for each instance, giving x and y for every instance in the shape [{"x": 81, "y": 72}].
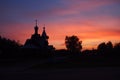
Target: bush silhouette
[{"x": 105, "y": 48}]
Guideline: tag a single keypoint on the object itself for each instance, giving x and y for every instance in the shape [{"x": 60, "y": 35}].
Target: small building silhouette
[{"x": 38, "y": 41}]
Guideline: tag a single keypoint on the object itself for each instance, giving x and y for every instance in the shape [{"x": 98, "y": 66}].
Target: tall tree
[{"x": 73, "y": 44}]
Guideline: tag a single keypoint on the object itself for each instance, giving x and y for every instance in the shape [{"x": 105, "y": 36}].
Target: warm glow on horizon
[{"x": 90, "y": 39}]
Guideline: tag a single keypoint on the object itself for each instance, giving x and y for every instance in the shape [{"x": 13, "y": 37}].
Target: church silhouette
[{"x": 38, "y": 41}]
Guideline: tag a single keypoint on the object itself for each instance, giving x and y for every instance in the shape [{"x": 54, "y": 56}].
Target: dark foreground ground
[
  {"x": 96, "y": 73},
  {"x": 44, "y": 70}
]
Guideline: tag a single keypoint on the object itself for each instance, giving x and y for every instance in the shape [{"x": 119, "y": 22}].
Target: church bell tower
[{"x": 36, "y": 28}]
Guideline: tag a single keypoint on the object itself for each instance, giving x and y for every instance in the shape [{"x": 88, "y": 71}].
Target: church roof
[{"x": 44, "y": 33}]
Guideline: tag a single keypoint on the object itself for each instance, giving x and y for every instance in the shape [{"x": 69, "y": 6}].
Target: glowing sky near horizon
[{"x": 93, "y": 21}]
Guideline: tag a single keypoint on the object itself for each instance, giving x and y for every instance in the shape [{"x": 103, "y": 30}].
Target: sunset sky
[{"x": 93, "y": 21}]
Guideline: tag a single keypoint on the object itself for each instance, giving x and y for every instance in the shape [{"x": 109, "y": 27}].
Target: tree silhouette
[
  {"x": 101, "y": 48},
  {"x": 105, "y": 49},
  {"x": 8, "y": 46},
  {"x": 109, "y": 45},
  {"x": 117, "y": 49},
  {"x": 73, "y": 44},
  {"x": 117, "y": 46}
]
